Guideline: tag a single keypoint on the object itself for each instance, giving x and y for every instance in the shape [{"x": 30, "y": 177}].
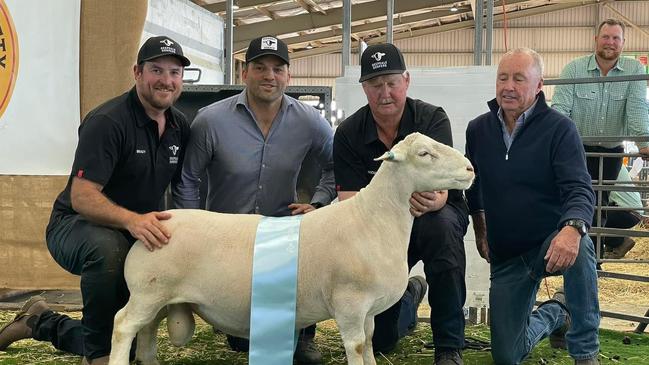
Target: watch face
[{"x": 579, "y": 225}]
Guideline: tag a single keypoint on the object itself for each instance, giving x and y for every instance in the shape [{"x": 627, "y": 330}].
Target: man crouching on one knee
[
  {"x": 531, "y": 203},
  {"x": 130, "y": 148},
  {"x": 441, "y": 217}
]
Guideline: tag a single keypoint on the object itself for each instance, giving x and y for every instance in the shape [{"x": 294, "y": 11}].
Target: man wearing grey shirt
[{"x": 252, "y": 146}]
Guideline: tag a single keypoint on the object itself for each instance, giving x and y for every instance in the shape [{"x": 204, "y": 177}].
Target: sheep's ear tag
[{"x": 389, "y": 156}]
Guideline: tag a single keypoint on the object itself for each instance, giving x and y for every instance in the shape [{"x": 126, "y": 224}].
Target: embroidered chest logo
[
  {"x": 8, "y": 56},
  {"x": 174, "y": 150}
]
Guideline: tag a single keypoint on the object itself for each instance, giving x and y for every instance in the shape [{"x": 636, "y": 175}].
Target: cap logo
[
  {"x": 378, "y": 55},
  {"x": 167, "y": 42},
  {"x": 269, "y": 43}
]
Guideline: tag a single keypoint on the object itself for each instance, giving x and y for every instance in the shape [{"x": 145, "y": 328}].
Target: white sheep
[{"x": 352, "y": 260}]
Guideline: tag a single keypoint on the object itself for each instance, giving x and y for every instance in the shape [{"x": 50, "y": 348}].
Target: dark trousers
[
  {"x": 610, "y": 168},
  {"x": 619, "y": 219},
  {"x": 97, "y": 254},
  {"x": 437, "y": 239}
]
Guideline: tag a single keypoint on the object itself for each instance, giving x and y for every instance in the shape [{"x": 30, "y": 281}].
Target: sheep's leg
[
  {"x": 147, "y": 346},
  {"x": 351, "y": 327},
  {"x": 128, "y": 321},
  {"x": 368, "y": 353}
]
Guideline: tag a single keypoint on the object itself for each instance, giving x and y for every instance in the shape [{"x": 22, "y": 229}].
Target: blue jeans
[{"x": 516, "y": 329}]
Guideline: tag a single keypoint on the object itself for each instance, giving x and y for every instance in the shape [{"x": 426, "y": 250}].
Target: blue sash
[{"x": 274, "y": 291}]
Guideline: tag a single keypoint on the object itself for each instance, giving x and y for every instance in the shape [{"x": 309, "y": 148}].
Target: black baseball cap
[
  {"x": 161, "y": 46},
  {"x": 267, "y": 45},
  {"x": 381, "y": 59}
]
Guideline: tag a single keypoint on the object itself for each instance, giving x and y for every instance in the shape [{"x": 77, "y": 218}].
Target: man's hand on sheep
[
  {"x": 297, "y": 209},
  {"x": 563, "y": 250},
  {"x": 148, "y": 229},
  {"x": 427, "y": 201}
]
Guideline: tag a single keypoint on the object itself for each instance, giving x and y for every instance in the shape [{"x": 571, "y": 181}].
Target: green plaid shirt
[{"x": 604, "y": 109}]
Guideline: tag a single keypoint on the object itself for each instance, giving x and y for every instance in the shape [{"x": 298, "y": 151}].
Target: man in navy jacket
[{"x": 531, "y": 205}]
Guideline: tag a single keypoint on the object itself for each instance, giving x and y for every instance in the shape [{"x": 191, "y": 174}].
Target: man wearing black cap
[
  {"x": 130, "y": 148},
  {"x": 441, "y": 217},
  {"x": 252, "y": 146}
]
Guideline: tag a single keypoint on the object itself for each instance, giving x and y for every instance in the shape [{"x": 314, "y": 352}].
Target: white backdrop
[
  {"x": 38, "y": 131},
  {"x": 463, "y": 92}
]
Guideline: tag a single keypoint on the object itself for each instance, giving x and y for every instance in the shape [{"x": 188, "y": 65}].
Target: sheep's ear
[{"x": 391, "y": 156}]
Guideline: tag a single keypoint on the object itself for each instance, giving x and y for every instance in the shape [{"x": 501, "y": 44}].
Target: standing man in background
[
  {"x": 252, "y": 146},
  {"x": 130, "y": 148},
  {"x": 441, "y": 217},
  {"x": 606, "y": 108}
]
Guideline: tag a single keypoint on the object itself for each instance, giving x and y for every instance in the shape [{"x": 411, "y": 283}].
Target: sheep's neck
[{"x": 387, "y": 196}]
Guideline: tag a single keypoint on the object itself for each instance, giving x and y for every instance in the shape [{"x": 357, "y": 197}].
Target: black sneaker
[
  {"x": 449, "y": 357},
  {"x": 417, "y": 286}
]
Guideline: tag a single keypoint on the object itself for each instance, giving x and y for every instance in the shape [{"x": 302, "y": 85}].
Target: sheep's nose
[{"x": 469, "y": 168}]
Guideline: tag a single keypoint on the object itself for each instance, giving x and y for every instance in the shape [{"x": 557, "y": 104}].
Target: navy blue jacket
[{"x": 542, "y": 183}]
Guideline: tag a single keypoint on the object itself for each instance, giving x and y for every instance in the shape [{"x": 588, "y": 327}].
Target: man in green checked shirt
[{"x": 605, "y": 109}]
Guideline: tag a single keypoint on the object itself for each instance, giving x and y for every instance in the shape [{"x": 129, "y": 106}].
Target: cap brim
[
  {"x": 268, "y": 54},
  {"x": 183, "y": 60},
  {"x": 379, "y": 73}
]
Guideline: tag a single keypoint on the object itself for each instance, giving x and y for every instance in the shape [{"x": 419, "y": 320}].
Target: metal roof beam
[
  {"x": 266, "y": 12},
  {"x": 450, "y": 27},
  {"x": 310, "y": 6},
  {"x": 307, "y": 37},
  {"x": 311, "y": 21},
  {"x": 220, "y": 7}
]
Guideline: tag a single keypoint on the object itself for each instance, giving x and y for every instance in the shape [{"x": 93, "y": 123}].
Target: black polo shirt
[
  {"x": 356, "y": 143},
  {"x": 119, "y": 148}
]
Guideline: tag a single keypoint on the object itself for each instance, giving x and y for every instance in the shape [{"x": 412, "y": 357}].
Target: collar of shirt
[
  {"x": 509, "y": 138},
  {"x": 592, "y": 64},
  {"x": 406, "y": 125}
]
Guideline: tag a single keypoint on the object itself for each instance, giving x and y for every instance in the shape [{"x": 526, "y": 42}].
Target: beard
[
  {"x": 608, "y": 54},
  {"x": 161, "y": 103}
]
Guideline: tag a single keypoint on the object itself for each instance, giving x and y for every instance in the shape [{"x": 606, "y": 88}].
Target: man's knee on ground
[{"x": 108, "y": 248}]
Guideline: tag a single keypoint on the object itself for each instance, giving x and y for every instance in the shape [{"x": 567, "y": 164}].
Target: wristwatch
[{"x": 579, "y": 225}]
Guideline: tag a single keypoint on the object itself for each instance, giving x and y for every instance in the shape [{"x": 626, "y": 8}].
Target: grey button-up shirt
[{"x": 247, "y": 173}]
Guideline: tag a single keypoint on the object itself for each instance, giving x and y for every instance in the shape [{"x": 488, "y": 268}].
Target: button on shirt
[
  {"x": 250, "y": 174},
  {"x": 604, "y": 109}
]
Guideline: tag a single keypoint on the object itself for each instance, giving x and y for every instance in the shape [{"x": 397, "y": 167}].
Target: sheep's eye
[{"x": 426, "y": 153}]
